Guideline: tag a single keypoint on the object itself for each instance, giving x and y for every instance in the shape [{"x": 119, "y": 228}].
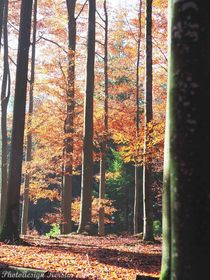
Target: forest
[{"x": 104, "y": 139}]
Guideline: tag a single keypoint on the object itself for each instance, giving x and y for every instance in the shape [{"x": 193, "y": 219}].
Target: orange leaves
[
  {"x": 131, "y": 147},
  {"x": 96, "y": 204},
  {"x": 87, "y": 257},
  {"x": 109, "y": 209}
]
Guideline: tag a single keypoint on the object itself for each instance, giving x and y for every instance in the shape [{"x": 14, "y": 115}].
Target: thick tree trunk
[
  {"x": 166, "y": 210},
  {"x": 10, "y": 227},
  {"x": 190, "y": 138},
  {"x": 166, "y": 192},
  {"x": 147, "y": 170},
  {"x": 87, "y": 154},
  {"x": 138, "y": 196},
  {"x": 189, "y": 152},
  {"x": 66, "y": 202},
  {"x": 25, "y": 207},
  {"x": 101, "y": 226},
  {"x": 5, "y": 94}
]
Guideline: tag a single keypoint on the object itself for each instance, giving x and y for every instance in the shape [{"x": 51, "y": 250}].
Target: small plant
[
  {"x": 55, "y": 230},
  {"x": 157, "y": 228}
]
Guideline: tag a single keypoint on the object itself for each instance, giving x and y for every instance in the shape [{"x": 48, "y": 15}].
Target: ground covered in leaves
[{"x": 86, "y": 257}]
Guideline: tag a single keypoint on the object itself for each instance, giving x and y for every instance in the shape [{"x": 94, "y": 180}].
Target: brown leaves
[{"x": 111, "y": 257}]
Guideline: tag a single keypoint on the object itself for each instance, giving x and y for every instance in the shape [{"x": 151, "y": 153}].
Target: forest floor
[{"x": 86, "y": 257}]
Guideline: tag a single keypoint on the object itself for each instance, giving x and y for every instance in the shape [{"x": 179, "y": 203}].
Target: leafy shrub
[
  {"x": 157, "y": 228},
  {"x": 55, "y": 230}
]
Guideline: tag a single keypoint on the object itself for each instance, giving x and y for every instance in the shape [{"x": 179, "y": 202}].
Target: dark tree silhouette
[
  {"x": 25, "y": 206},
  {"x": 66, "y": 227},
  {"x": 87, "y": 154},
  {"x": 5, "y": 95},
  {"x": 10, "y": 226},
  {"x": 147, "y": 171}
]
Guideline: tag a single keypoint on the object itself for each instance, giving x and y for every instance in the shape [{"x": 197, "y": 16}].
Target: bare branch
[
  {"x": 81, "y": 10},
  {"x": 100, "y": 25},
  {"x": 13, "y": 26},
  {"x": 98, "y": 54},
  {"x": 132, "y": 33},
  {"x": 100, "y": 43},
  {"x": 55, "y": 43},
  {"x": 159, "y": 48},
  {"x": 63, "y": 73},
  {"x": 100, "y": 16}
]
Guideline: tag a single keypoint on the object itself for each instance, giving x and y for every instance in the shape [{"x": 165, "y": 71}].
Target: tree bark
[
  {"x": 101, "y": 225},
  {"x": 190, "y": 138},
  {"x": 10, "y": 227},
  {"x": 102, "y": 186},
  {"x": 66, "y": 202},
  {"x": 147, "y": 170},
  {"x": 138, "y": 196},
  {"x": 5, "y": 94},
  {"x": 87, "y": 154},
  {"x": 166, "y": 192},
  {"x": 2, "y": 5},
  {"x": 25, "y": 206},
  {"x": 166, "y": 204},
  {"x": 189, "y": 151}
]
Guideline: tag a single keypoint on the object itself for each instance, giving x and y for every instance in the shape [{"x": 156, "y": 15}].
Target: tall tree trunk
[
  {"x": 10, "y": 227},
  {"x": 66, "y": 202},
  {"x": 138, "y": 196},
  {"x": 101, "y": 226},
  {"x": 2, "y": 5},
  {"x": 87, "y": 154},
  {"x": 166, "y": 210},
  {"x": 190, "y": 138},
  {"x": 126, "y": 208},
  {"x": 5, "y": 94},
  {"x": 166, "y": 199},
  {"x": 25, "y": 206},
  {"x": 147, "y": 170}
]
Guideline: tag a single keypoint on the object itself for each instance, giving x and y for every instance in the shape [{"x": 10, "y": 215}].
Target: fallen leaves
[{"x": 86, "y": 257}]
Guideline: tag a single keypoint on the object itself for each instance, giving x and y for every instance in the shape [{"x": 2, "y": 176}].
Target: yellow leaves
[{"x": 131, "y": 146}]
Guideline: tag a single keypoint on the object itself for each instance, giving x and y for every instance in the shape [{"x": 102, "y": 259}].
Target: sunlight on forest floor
[{"x": 86, "y": 257}]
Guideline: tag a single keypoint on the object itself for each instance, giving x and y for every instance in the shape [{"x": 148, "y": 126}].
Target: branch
[
  {"x": 81, "y": 10},
  {"x": 63, "y": 73},
  {"x": 13, "y": 62},
  {"x": 133, "y": 35},
  {"x": 100, "y": 16},
  {"x": 99, "y": 42},
  {"x": 98, "y": 54},
  {"x": 12, "y": 25},
  {"x": 100, "y": 25},
  {"x": 156, "y": 44},
  {"x": 55, "y": 43}
]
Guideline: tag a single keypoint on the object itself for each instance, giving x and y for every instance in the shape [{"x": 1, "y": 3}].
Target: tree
[
  {"x": 147, "y": 171},
  {"x": 5, "y": 95},
  {"x": 103, "y": 144},
  {"x": 69, "y": 122},
  {"x": 188, "y": 246},
  {"x": 138, "y": 196},
  {"x": 166, "y": 212},
  {"x": 87, "y": 153},
  {"x": 10, "y": 226},
  {"x": 25, "y": 205},
  {"x": 2, "y": 5}
]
